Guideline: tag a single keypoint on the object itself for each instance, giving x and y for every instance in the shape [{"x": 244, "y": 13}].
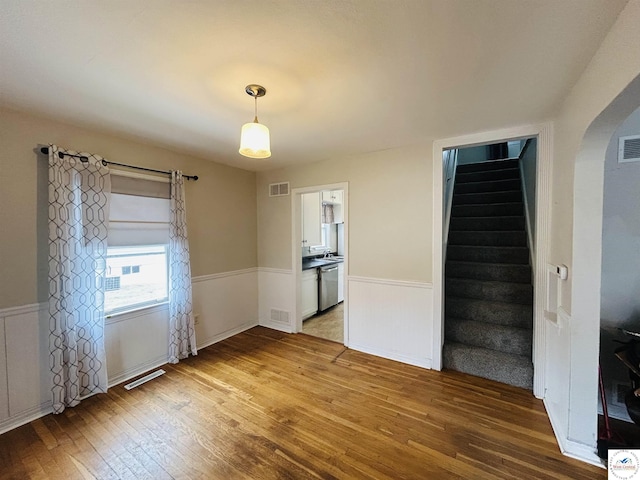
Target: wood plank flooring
[{"x": 267, "y": 405}]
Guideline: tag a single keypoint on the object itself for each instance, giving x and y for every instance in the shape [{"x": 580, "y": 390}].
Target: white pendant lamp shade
[{"x": 254, "y": 138}]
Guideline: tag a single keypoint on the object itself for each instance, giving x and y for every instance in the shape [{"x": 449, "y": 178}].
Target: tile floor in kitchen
[{"x": 328, "y": 324}]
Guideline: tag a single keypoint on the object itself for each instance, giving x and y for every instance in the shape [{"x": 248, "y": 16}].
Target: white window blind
[{"x": 139, "y": 212}]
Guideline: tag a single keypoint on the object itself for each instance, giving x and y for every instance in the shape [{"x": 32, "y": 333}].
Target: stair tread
[
  {"x": 496, "y": 303},
  {"x": 498, "y": 164},
  {"x": 502, "y": 247},
  {"x": 484, "y": 182},
  {"x": 490, "y": 325},
  {"x": 472, "y": 280},
  {"x": 513, "y": 169},
  {"x": 503, "y": 338},
  {"x": 484, "y": 193},
  {"x": 502, "y": 367},
  {"x": 484, "y": 264},
  {"x": 521, "y": 358},
  {"x": 492, "y": 217}
]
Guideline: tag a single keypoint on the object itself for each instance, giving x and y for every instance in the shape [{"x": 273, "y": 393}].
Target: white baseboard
[
  {"x": 224, "y": 335},
  {"x": 281, "y": 327},
  {"x": 398, "y": 357},
  {"x": 138, "y": 370},
  {"x": 570, "y": 448},
  {"x": 25, "y": 417}
]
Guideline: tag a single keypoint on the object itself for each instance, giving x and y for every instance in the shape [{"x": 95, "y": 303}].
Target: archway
[{"x": 586, "y": 264}]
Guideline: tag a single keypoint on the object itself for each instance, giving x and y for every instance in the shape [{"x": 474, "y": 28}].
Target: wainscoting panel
[
  {"x": 26, "y": 384},
  {"x": 276, "y": 300},
  {"x": 4, "y": 389},
  {"x": 391, "y": 319},
  {"x": 556, "y": 399},
  {"x": 136, "y": 342},
  {"x": 224, "y": 305}
]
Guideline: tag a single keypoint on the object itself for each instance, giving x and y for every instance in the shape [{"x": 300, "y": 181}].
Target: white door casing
[{"x": 544, "y": 134}]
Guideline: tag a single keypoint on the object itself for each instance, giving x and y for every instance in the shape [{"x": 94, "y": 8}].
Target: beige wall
[
  {"x": 606, "y": 93},
  {"x": 221, "y": 204},
  {"x": 390, "y": 212},
  {"x": 613, "y": 67}
]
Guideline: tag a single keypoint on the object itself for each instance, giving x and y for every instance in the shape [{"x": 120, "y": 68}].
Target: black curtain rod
[{"x": 85, "y": 159}]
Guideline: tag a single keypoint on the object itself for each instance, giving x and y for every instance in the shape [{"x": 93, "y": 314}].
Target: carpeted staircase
[{"x": 488, "y": 291}]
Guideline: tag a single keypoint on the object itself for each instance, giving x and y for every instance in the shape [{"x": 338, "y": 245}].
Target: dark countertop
[{"x": 320, "y": 262}]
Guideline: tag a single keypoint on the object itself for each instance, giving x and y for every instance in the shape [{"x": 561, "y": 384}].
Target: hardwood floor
[{"x": 267, "y": 405}]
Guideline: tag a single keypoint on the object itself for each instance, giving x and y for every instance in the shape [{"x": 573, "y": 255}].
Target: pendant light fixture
[{"x": 254, "y": 138}]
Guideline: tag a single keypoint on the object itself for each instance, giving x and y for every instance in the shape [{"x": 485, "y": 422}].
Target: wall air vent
[
  {"x": 279, "y": 189},
  {"x": 629, "y": 149},
  {"x": 280, "y": 316}
]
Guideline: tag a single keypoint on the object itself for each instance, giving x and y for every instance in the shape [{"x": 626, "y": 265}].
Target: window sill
[{"x": 135, "y": 312}]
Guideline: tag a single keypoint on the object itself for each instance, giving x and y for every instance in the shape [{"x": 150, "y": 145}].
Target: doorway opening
[
  {"x": 320, "y": 259},
  {"x": 489, "y": 252},
  {"x": 619, "y": 406},
  {"x": 542, "y": 134}
]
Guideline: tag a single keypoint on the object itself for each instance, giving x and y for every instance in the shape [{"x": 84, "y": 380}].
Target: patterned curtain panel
[
  {"x": 327, "y": 213},
  {"x": 78, "y": 212},
  {"x": 182, "y": 334}
]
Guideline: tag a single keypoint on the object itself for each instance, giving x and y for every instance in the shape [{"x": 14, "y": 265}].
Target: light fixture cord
[{"x": 255, "y": 119}]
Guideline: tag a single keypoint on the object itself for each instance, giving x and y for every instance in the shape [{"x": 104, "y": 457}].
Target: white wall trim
[
  {"x": 22, "y": 309},
  {"x": 544, "y": 133},
  {"x": 227, "y": 334},
  {"x": 281, "y": 271},
  {"x": 140, "y": 312},
  {"x": 563, "y": 319},
  {"x": 384, "y": 281},
  {"x": 570, "y": 448},
  {"x": 231, "y": 273},
  {"x": 25, "y": 417},
  {"x": 391, "y": 355},
  {"x": 138, "y": 370}
]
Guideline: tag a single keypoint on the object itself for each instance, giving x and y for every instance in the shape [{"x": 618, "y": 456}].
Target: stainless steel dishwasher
[{"x": 328, "y": 287}]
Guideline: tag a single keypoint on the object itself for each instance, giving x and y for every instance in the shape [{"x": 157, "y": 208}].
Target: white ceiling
[{"x": 342, "y": 76}]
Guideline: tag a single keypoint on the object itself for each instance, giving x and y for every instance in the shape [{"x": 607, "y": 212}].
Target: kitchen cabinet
[
  {"x": 311, "y": 220},
  {"x": 340, "y": 282},
  {"x": 332, "y": 196},
  {"x": 309, "y": 292}
]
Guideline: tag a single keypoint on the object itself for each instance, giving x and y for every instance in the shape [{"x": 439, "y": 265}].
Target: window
[
  {"x": 137, "y": 257},
  {"x": 144, "y": 279}
]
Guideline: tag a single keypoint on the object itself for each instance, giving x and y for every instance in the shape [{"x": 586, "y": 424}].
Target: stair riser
[
  {"x": 515, "y": 255},
  {"x": 506, "y": 174},
  {"x": 486, "y": 166},
  {"x": 496, "y": 292},
  {"x": 499, "y": 313},
  {"x": 477, "y": 224},
  {"x": 491, "y": 210},
  {"x": 492, "y": 186},
  {"x": 489, "y": 271},
  {"x": 487, "y": 364},
  {"x": 488, "y": 239},
  {"x": 485, "y": 198}
]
